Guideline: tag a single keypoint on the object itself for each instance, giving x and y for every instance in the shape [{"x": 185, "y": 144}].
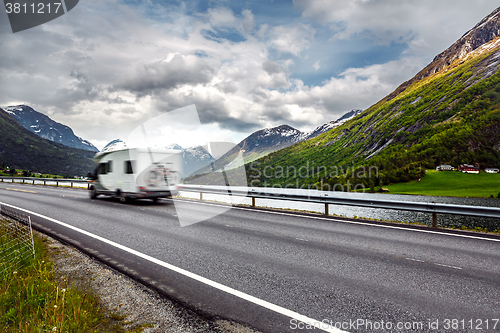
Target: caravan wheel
[
  {"x": 123, "y": 199},
  {"x": 93, "y": 193}
]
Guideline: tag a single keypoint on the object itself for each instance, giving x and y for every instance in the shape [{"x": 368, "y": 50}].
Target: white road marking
[
  {"x": 276, "y": 308},
  {"x": 448, "y": 266},
  {"x": 351, "y": 222},
  {"x": 443, "y": 265},
  {"x": 415, "y": 260}
]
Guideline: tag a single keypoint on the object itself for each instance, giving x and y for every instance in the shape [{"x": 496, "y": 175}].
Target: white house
[{"x": 445, "y": 167}]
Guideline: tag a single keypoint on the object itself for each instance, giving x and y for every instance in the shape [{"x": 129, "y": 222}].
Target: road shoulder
[{"x": 138, "y": 304}]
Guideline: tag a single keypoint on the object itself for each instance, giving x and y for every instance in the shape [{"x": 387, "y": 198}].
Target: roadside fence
[{"x": 16, "y": 239}]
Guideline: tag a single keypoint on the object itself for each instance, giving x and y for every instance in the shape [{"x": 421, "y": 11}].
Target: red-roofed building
[{"x": 468, "y": 168}]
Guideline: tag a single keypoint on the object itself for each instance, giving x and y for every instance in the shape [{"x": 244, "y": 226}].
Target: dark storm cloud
[
  {"x": 212, "y": 109},
  {"x": 168, "y": 75}
]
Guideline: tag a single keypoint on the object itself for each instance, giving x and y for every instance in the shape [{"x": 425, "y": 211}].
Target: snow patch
[
  {"x": 378, "y": 150},
  {"x": 416, "y": 100}
]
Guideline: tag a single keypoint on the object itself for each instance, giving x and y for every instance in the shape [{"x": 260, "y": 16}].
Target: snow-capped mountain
[
  {"x": 195, "y": 158},
  {"x": 47, "y": 128},
  {"x": 348, "y": 115},
  {"x": 174, "y": 146},
  {"x": 268, "y": 140},
  {"x": 116, "y": 144},
  {"x": 332, "y": 124}
]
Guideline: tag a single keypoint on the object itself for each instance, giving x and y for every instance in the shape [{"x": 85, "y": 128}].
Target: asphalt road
[{"x": 252, "y": 266}]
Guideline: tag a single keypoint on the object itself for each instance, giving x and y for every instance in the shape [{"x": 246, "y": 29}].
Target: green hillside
[
  {"x": 21, "y": 149},
  {"x": 452, "y": 117}
]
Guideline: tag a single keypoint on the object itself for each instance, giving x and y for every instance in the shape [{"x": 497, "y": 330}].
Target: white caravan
[{"x": 136, "y": 173}]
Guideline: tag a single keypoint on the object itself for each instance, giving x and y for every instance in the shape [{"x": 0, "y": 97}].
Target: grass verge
[
  {"x": 451, "y": 184},
  {"x": 32, "y": 299}
]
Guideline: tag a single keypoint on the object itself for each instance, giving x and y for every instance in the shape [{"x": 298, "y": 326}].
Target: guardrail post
[
  {"x": 44, "y": 182},
  {"x": 434, "y": 220},
  {"x": 33, "y": 182},
  {"x": 253, "y": 201},
  {"x": 71, "y": 184},
  {"x": 88, "y": 186},
  {"x": 326, "y": 209},
  {"x": 201, "y": 196},
  {"x": 23, "y": 180},
  {"x": 57, "y": 183}
]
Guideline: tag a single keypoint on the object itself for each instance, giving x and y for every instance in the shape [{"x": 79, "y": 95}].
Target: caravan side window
[
  {"x": 102, "y": 168},
  {"x": 128, "y": 168}
]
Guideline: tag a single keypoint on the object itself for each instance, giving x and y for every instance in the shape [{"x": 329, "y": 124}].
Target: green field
[{"x": 451, "y": 184}]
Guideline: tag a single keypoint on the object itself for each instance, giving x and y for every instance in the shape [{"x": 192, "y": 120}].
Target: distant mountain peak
[
  {"x": 268, "y": 140},
  {"x": 491, "y": 19},
  {"x": 23, "y": 149},
  {"x": 332, "y": 124},
  {"x": 485, "y": 32},
  {"x": 116, "y": 144},
  {"x": 279, "y": 136},
  {"x": 40, "y": 124},
  {"x": 174, "y": 146}
]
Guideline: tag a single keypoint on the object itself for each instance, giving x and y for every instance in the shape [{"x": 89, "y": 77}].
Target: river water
[{"x": 444, "y": 220}]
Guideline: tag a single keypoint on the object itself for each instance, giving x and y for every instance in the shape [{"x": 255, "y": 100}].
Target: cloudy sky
[{"x": 109, "y": 65}]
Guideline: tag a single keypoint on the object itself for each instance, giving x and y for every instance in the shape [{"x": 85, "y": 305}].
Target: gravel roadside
[{"x": 140, "y": 305}]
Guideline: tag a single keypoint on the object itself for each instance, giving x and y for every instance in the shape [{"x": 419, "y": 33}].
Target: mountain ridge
[
  {"x": 22, "y": 149},
  {"x": 47, "y": 128},
  {"x": 268, "y": 140},
  {"x": 484, "y": 31}
]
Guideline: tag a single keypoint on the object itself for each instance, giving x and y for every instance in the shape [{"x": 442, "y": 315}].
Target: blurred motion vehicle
[{"x": 136, "y": 173}]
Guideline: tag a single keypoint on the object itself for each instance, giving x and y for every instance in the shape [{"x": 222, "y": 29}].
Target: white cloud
[
  {"x": 292, "y": 39},
  {"x": 428, "y": 26},
  {"x": 107, "y": 66},
  {"x": 316, "y": 66},
  {"x": 248, "y": 22},
  {"x": 221, "y": 17}
]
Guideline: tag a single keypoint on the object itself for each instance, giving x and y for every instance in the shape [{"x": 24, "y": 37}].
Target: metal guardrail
[
  {"x": 28, "y": 180},
  {"x": 434, "y": 208}
]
